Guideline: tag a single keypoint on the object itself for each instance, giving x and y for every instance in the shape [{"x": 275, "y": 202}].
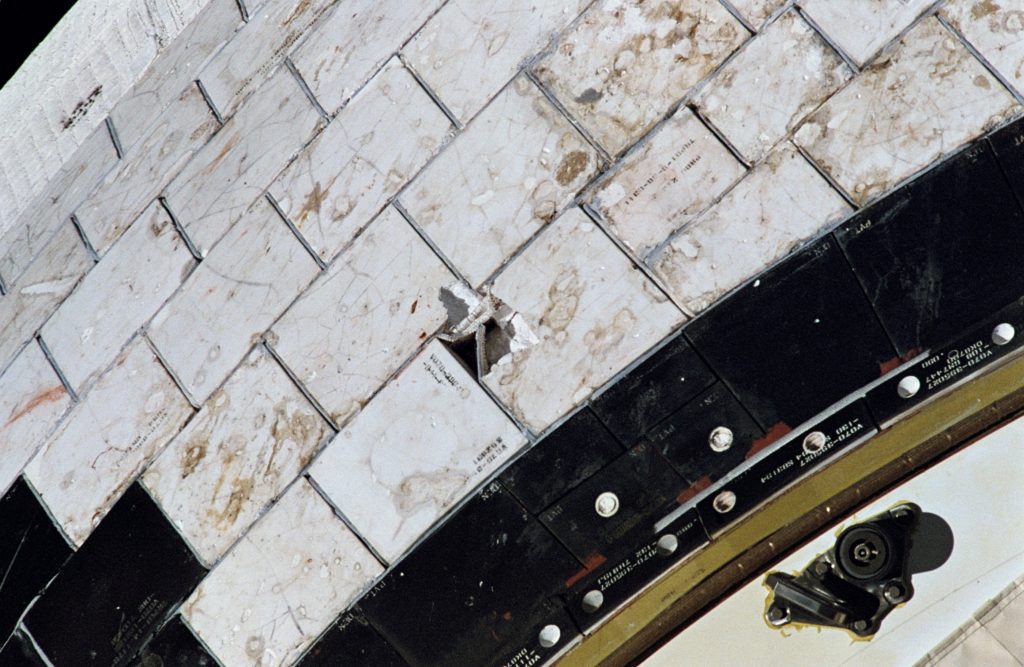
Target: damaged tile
[
  {"x": 592, "y": 310},
  {"x": 665, "y": 183},
  {"x": 230, "y": 299},
  {"x": 174, "y": 70},
  {"x": 284, "y": 584},
  {"x": 342, "y": 52},
  {"x": 511, "y": 171},
  {"x": 174, "y": 138},
  {"x": 32, "y": 550},
  {"x": 229, "y": 173},
  {"x": 626, "y": 63},
  {"x": 32, "y": 399},
  {"x": 127, "y": 417},
  {"x": 756, "y": 11},
  {"x": 125, "y": 290},
  {"x": 30, "y": 232},
  {"x": 862, "y": 28},
  {"x": 368, "y": 152},
  {"x": 117, "y": 589},
  {"x": 915, "y": 104},
  {"x": 468, "y": 51},
  {"x": 247, "y": 443},
  {"x": 781, "y": 203},
  {"x": 425, "y": 441},
  {"x": 996, "y": 29},
  {"x": 364, "y": 316},
  {"x": 791, "y": 69},
  {"x": 42, "y": 288},
  {"x": 257, "y": 50}
]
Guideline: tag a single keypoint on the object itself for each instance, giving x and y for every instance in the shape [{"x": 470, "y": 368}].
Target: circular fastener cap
[
  {"x": 607, "y": 504},
  {"x": 908, "y": 386},
  {"x": 549, "y": 635},
  {"x": 592, "y": 601},
  {"x": 721, "y": 438},
  {"x": 724, "y": 502},
  {"x": 893, "y": 593},
  {"x": 777, "y": 615},
  {"x": 1003, "y": 333},
  {"x": 814, "y": 442},
  {"x": 667, "y": 544},
  {"x": 860, "y": 626}
]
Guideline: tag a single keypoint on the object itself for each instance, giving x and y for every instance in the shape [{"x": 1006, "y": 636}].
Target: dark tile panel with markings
[
  {"x": 175, "y": 645},
  {"x": 1008, "y": 144},
  {"x": 118, "y": 588},
  {"x": 942, "y": 253},
  {"x": 19, "y": 652},
  {"x": 478, "y": 591},
  {"x": 797, "y": 339},
  {"x": 352, "y": 641},
  {"x": 32, "y": 551}
]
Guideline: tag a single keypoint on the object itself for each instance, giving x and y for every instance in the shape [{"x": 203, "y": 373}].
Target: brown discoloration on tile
[
  {"x": 54, "y": 393},
  {"x": 572, "y": 165}
]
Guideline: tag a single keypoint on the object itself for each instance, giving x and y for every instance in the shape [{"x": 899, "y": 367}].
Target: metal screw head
[
  {"x": 860, "y": 626},
  {"x": 908, "y": 386},
  {"x": 592, "y": 601},
  {"x": 777, "y": 615},
  {"x": 720, "y": 439},
  {"x": 607, "y": 504},
  {"x": 724, "y": 502},
  {"x": 893, "y": 593},
  {"x": 549, "y": 635},
  {"x": 667, "y": 544},
  {"x": 814, "y": 442},
  {"x": 821, "y": 568},
  {"x": 1003, "y": 333}
]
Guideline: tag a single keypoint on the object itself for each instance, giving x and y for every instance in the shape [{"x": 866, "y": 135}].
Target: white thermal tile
[
  {"x": 863, "y": 27},
  {"x": 424, "y": 442},
  {"x": 996, "y": 30}
]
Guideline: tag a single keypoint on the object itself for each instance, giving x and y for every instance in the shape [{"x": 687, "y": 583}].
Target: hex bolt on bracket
[{"x": 864, "y": 576}]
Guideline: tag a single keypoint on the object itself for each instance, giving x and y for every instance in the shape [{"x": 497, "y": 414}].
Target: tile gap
[
  {"x": 167, "y": 517},
  {"x": 114, "y": 138},
  {"x": 430, "y": 242},
  {"x": 298, "y": 236},
  {"x": 193, "y": 250},
  {"x": 828, "y": 177},
  {"x": 452, "y": 118},
  {"x": 739, "y": 17},
  {"x": 695, "y": 110},
  {"x": 305, "y": 89},
  {"x": 174, "y": 376},
  {"x": 925, "y": 14},
  {"x": 243, "y": 10},
  {"x": 345, "y": 520},
  {"x": 56, "y": 368},
  {"x": 980, "y": 58},
  {"x": 85, "y": 239},
  {"x": 300, "y": 386},
  {"x": 605, "y": 157},
  {"x": 209, "y": 101},
  {"x": 49, "y": 514},
  {"x": 32, "y": 640},
  {"x": 3, "y": 287},
  {"x": 636, "y": 261},
  {"x": 825, "y": 37}
]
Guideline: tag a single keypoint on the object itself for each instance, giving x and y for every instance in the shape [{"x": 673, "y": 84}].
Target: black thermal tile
[
  {"x": 941, "y": 254},
  {"x": 1008, "y": 144},
  {"x": 796, "y": 340},
  {"x": 561, "y": 461},
  {"x": 653, "y": 390},
  {"x": 31, "y": 552},
  {"x": 118, "y": 588},
  {"x": 478, "y": 590},
  {"x": 643, "y": 488},
  {"x": 352, "y": 641},
  {"x": 174, "y": 646},
  {"x": 19, "y": 652}
]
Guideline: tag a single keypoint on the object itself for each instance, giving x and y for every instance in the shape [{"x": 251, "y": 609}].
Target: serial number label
[
  {"x": 490, "y": 454},
  {"x": 801, "y": 459},
  {"x": 526, "y": 657},
  {"x": 944, "y": 368}
]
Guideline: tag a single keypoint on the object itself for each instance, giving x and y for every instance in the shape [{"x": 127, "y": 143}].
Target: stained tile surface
[
  {"x": 294, "y": 572},
  {"x": 516, "y": 166},
  {"x": 592, "y": 311},
  {"x": 918, "y": 102},
  {"x": 364, "y": 316},
  {"x": 625, "y": 64},
  {"x": 862, "y": 28},
  {"x": 421, "y": 444},
  {"x": 243, "y": 448},
  {"x": 346, "y": 176},
  {"x": 117, "y": 297},
  {"x": 120, "y": 425},
  {"x": 996, "y": 30}
]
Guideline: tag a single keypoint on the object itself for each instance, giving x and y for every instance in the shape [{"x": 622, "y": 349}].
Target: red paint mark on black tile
[
  {"x": 352, "y": 641},
  {"x": 941, "y": 254},
  {"x": 589, "y": 565},
  {"x": 770, "y": 436},
  {"x": 477, "y": 591},
  {"x": 560, "y": 462},
  {"x": 797, "y": 340},
  {"x": 118, "y": 588},
  {"x": 31, "y": 552}
]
